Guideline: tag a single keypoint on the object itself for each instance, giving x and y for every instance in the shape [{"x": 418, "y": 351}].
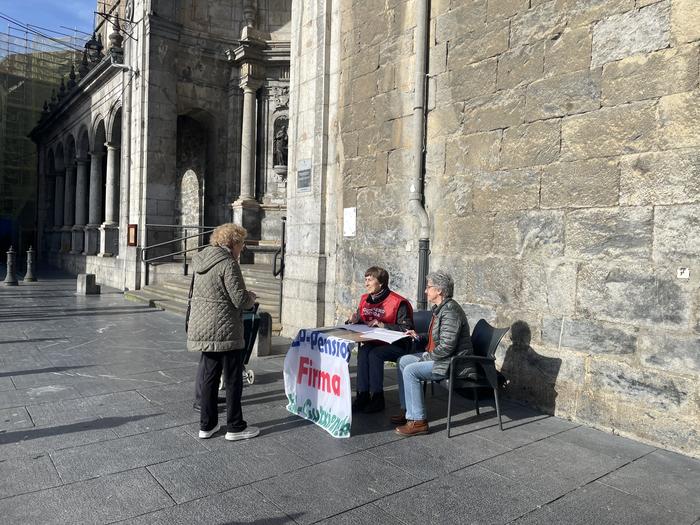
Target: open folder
[{"x": 369, "y": 333}]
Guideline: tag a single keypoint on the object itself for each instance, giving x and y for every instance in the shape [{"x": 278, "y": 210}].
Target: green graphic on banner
[{"x": 330, "y": 422}]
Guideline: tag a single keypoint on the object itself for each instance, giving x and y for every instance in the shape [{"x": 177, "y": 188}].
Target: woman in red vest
[{"x": 382, "y": 308}]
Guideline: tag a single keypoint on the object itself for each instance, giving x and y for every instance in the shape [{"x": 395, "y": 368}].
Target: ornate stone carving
[
  {"x": 128, "y": 17},
  {"x": 249, "y": 12},
  {"x": 71, "y": 77},
  {"x": 280, "y": 98}
]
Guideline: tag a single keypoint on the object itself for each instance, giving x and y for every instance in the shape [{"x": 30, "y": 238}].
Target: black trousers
[
  {"x": 211, "y": 366},
  {"x": 370, "y": 365}
]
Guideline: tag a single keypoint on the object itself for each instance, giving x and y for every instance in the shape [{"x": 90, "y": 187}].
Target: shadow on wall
[{"x": 530, "y": 377}]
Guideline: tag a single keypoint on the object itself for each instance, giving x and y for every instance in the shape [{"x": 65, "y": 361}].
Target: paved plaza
[{"x": 97, "y": 426}]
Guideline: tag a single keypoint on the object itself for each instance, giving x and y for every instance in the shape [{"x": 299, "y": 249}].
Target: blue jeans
[
  {"x": 370, "y": 365},
  {"x": 411, "y": 372}
]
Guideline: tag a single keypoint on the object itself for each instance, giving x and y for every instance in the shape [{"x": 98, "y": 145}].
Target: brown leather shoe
[
  {"x": 399, "y": 419},
  {"x": 413, "y": 428}
]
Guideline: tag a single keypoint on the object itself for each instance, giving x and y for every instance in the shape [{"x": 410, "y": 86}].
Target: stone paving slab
[
  {"x": 86, "y": 408},
  {"x": 661, "y": 476},
  {"x": 97, "y": 426},
  {"x": 107, "y": 457},
  {"x": 238, "y": 464},
  {"x": 243, "y": 505},
  {"x": 37, "y": 395},
  {"x": 434, "y": 456},
  {"x": 38, "y": 440},
  {"x": 335, "y": 486},
  {"x": 602, "y": 505},
  {"x": 27, "y": 474},
  {"x": 14, "y": 418},
  {"x": 471, "y": 495},
  {"x": 100, "y": 500},
  {"x": 552, "y": 468},
  {"x": 368, "y": 514}
]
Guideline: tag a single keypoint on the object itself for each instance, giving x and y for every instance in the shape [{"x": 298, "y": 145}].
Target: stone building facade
[
  {"x": 559, "y": 173},
  {"x": 170, "y": 120}
]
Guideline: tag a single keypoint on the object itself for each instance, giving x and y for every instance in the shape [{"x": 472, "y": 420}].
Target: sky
[{"x": 50, "y": 14}]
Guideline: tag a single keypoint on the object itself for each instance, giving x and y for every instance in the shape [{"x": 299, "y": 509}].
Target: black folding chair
[{"x": 485, "y": 340}]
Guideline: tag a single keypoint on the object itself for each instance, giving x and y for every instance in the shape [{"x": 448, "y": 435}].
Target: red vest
[{"x": 385, "y": 311}]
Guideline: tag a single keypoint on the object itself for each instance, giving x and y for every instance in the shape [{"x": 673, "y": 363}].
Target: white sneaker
[
  {"x": 248, "y": 433},
  {"x": 206, "y": 434}
]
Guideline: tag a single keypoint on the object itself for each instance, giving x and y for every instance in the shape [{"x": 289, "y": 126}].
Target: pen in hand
[{"x": 412, "y": 334}]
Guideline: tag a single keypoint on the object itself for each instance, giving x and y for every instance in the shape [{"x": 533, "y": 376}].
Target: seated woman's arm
[
  {"x": 403, "y": 320},
  {"x": 355, "y": 318}
]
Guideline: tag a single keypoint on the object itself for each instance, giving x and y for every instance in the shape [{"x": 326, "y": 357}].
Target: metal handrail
[
  {"x": 145, "y": 249},
  {"x": 251, "y": 245},
  {"x": 280, "y": 253}
]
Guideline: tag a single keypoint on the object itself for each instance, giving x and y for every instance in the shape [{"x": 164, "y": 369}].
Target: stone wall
[
  {"x": 562, "y": 168},
  {"x": 312, "y": 209}
]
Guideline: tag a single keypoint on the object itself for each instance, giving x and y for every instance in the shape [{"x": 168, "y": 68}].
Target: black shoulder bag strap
[{"x": 189, "y": 304}]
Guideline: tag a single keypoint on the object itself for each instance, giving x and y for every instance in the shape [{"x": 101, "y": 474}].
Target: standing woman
[
  {"x": 382, "y": 308},
  {"x": 215, "y": 328}
]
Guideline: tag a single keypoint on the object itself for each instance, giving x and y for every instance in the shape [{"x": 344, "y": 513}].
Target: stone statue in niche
[{"x": 279, "y": 155}]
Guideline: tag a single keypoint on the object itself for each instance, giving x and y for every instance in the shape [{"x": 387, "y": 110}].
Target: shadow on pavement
[
  {"x": 268, "y": 521},
  {"x": 50, "y": 370},
  {"x": 102, "y": 423},
  {"x": 37, "y": 340}
]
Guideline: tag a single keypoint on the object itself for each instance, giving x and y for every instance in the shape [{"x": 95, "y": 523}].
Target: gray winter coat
[
  {"x": 451, "y": 337},
  {"x": 218, "y": 300}
]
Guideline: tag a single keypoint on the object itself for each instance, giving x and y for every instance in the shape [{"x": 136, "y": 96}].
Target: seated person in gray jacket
[{"x": 448, "y": 336}]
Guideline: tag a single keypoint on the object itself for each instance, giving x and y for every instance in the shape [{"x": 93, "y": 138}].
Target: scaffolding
[{"x": 33, "y": 61}]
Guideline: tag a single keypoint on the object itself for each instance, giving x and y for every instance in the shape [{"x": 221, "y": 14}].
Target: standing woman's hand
[{"x": 354, "y": 318}]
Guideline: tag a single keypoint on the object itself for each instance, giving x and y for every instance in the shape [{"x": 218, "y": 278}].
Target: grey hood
[{"x": 209, "y": 257}]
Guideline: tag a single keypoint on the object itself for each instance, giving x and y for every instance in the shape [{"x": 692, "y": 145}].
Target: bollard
[
  {"x": 29, "y": 276},
  {"x": 86, "y": 284},
  {"x": 11, "y": 277}
]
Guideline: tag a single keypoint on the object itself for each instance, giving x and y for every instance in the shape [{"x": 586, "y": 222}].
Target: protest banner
[{"x": 317, "y": 381}]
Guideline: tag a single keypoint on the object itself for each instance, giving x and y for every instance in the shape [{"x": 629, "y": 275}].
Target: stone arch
[
  {"x": 98, "y": 126},
  {"x": 59, "y": 158},
  {"x": 192, "y": 165},
  {"x": 70, "y": 150},
  {"x": 115, "y": 141},
  {"x": 83, "y": 144},
  {"x": 50, "y": 186},
  {"x": 190, "y": 204},
  {"x": 113, "y": 121},
  {"x": 99, "y": 154}
]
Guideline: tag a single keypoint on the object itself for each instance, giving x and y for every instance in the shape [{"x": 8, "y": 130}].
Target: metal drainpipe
[{"x": 415, "y": 199}]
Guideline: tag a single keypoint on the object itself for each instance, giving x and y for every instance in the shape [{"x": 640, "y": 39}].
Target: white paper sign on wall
[{"x": 349, "y": 222}]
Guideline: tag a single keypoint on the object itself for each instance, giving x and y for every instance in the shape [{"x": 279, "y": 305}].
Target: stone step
[
  {"x": 164, "y": 293},
  {"x": 171, "y": 295}
]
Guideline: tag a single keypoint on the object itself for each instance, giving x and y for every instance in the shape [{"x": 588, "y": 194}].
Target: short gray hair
[{"x": 442, "y": 281}]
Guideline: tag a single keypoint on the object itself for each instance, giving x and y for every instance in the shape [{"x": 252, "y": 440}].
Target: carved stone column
[
  {"x": 68, "y": 208},
  {"x": 81, "y": 184},
  {"x": 246, "y": 210},
  {"x": 248, "y": 142},
  {"x": 58, "y": 210},
  {"x": 109, "y": 231},
  {"x": 92, "y": 233}
]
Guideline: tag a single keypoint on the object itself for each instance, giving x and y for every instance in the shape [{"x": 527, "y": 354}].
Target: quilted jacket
[
  {"x": 451, "y": 337},
  {"x": 218, "y": 300}
]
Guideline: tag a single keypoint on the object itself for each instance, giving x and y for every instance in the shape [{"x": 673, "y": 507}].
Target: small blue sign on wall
[{"x": 304, "y": 175}]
